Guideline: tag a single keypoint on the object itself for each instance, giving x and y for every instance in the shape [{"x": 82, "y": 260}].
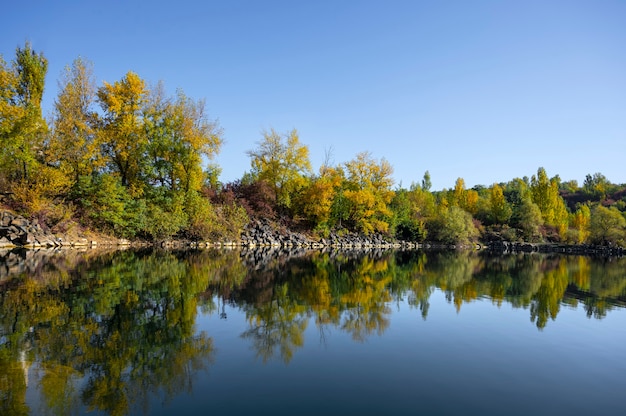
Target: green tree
[
  {"x": 180, "y": 135},
  {"x": 72, "y": 144},
  {"x": 596, "y": 185},
  {"x": 528, "y": 219},
  {"x": 24, "y": 169},
  {"x": 22, "y": 127},
  {"x": 454, "y": 225},
  {"x": 282, "y": 161},
  {"x": 426, "y": 182},
  {"x": 412, "y": 209},
  {"x": 607, "y": 226}
]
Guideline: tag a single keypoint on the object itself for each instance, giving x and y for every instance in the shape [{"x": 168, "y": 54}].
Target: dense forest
[{"x": 126, "y": 159}]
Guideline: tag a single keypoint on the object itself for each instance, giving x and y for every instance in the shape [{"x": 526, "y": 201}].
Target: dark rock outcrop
[{"x": 17, "y": 231}]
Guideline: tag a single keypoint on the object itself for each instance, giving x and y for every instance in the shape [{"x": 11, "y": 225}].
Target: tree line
[{"x": 128, "y": 159}]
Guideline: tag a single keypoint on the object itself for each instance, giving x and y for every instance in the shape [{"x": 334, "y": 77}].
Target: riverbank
[{"x": 19, "y": 232}]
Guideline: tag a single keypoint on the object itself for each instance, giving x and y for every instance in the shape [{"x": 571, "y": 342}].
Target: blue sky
[{"x": 483, "y": 90}]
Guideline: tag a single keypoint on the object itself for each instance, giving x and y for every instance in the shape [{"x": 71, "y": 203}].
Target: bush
[{"x": 454, "y": 226}]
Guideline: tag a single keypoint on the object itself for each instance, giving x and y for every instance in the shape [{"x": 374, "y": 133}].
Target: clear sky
[{"x": 483, "y": 90}]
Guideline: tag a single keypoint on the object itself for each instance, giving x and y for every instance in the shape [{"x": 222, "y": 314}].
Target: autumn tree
[
  {"x": 607, "y": 226},
  {"x": 72, "y": 144},
  {"x": 179, "y": 138},
  {"x": 282, "y": 161},
  {"x": 10, "y": 113},
  {"x": 545, "y": 193},
  {"x": 24, "y": 170},
  {"x": 121, "y": 135},
  {"x": 316, "y": 199},
  {"x": 368, "y": 193},
  {"x": 180, "y": 135},
  {"x": 458, "y": 194},
  {"x": 596, "y": 185},
  {"x": 500, "y": 211},
  {"x": 581, "y": 221},
  {"x": 412, "y": 209},
  {"x": 22, "y": 127},
  {"x": 526, "y": 215}
]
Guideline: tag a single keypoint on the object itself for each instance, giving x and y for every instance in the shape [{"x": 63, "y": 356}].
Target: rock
[
  {"x": 4, "y": 242},
  {"x": 19, "y": 222},
  {"x": 24, "y": 239}
]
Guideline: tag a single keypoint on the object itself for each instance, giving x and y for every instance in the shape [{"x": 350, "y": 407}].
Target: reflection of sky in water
[{"x": 485, "y": 359}]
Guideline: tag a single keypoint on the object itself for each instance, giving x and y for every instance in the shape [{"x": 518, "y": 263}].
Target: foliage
[
  {"x": 453, "y": 225},
  {"x": 581, "y": 222},
  {"x": 179, "y": 136},
  {"x": 107, "y": 205},
  {"x": 315, "y": 201},
  {"x": 607, "y": 227},
  {"x": 72, "y": 144},
  {"x": 283, "y": 162},
  {"x": 500, "y": 211},
  {"x": 141, "y": 166},
  {"x": 596, "y": 185},
  {"x": 22, "y": 127},
  {"x": 368, "y": 193},
  {"x": 121, "y": 136},
  {"x": 257, "y": 198},
  {"x": 529, "y": 220},
  {"x": 412, "y": 210}
]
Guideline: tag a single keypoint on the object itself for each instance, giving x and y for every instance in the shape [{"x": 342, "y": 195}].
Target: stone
[
  {"x": 25, "y": 239},
  {"x": 19, "y": 222}
]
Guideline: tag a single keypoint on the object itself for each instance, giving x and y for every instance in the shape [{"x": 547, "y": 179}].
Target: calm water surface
[{"x": 201, "y": 332}]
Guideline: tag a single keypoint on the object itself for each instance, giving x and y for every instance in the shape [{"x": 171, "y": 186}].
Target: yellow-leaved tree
[
  {"x": 581, "y": 220},
  {"x": 282, "y": 161},
  {"x": 545, "y": 193},
  {"x": 72, "y": 144},
  {"x": 24, "y": 170},
  {"x": 316, "y": 199},
  {"x": 500, "y": 211},
  {"x": 121, "y": 135},
  {"x": 368, "y": 193}
]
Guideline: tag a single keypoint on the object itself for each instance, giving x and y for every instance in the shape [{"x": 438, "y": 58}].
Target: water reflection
[
  {"x": 104, "y": 334},
  {"x": 106, "y": 331}
]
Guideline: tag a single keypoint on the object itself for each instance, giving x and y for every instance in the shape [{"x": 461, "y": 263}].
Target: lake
[{"x": 254, "y": 333}]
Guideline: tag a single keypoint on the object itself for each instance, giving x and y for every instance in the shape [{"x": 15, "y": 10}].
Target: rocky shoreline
[{"x": 18, "y": 232}]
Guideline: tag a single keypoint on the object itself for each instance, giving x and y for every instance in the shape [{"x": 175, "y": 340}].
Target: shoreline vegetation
[
  {"x": 18, "y": 233},
  {"x": 125, "y": 163}
]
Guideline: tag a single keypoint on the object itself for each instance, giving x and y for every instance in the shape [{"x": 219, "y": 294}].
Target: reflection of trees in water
[
  {"x": 109, "y": 332},
  {"x": 353, "y": 294},
  {"x": 276, "y": 326},
  {"x": 107, "y": 335},
  {"x": 365, "y": 303}
]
